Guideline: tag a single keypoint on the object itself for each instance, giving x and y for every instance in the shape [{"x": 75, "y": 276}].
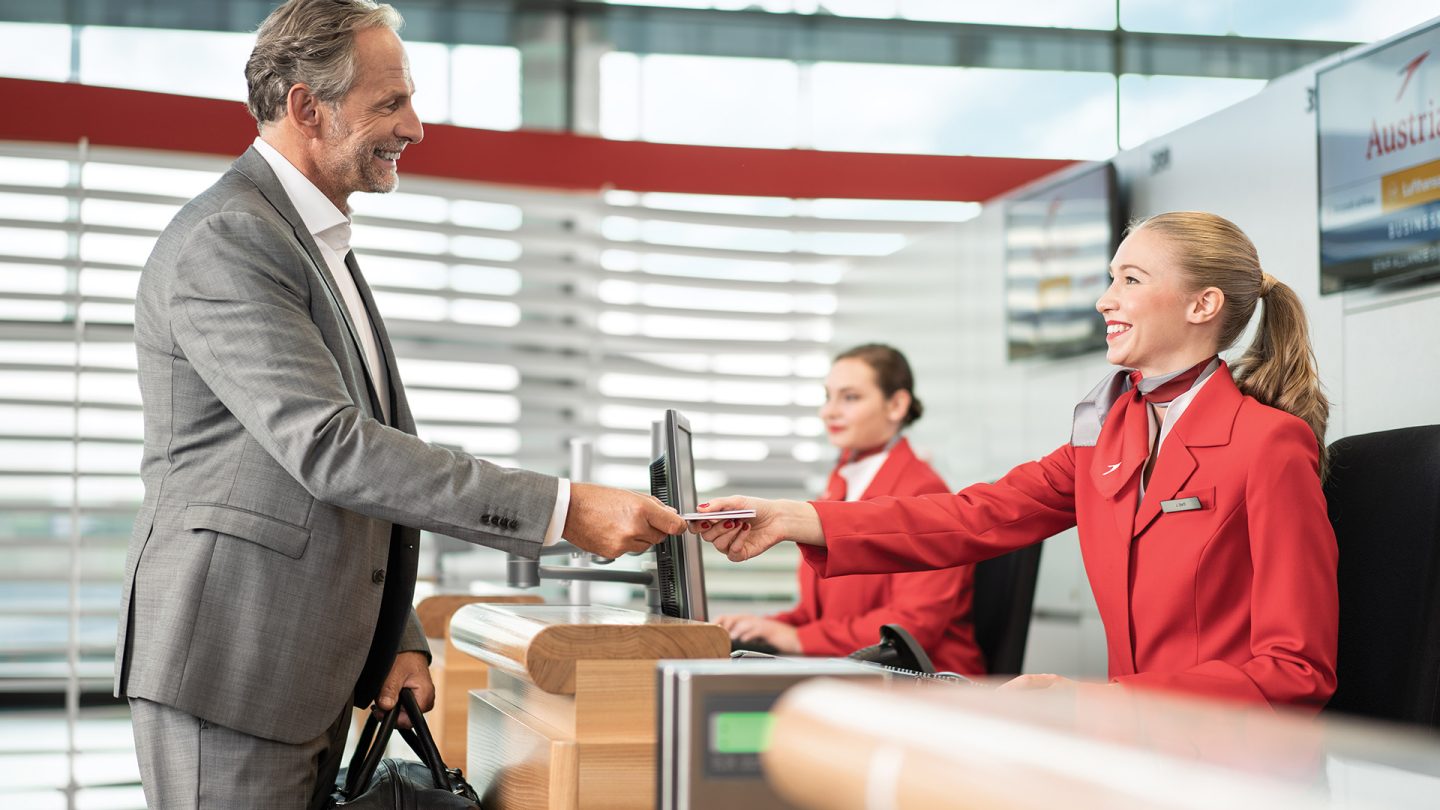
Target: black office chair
[
  {"x": 1384, "y": 497},
  {"x": 1004, "y": 596}
]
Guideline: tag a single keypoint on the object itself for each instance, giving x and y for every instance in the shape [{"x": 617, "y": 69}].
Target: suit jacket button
[
  {"x": 485, "y": 520},
  {"x": 377, "y": 576},
  {"x": 511, "y": 523}
]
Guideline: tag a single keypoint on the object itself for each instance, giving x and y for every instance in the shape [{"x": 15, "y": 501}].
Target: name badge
[{"x": 1180, "y": 505}]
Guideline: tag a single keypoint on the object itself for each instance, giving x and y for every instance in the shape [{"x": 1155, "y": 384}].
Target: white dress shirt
[
  {"x": 859, "y": 474},
  {"x": 331, "y": 229}
]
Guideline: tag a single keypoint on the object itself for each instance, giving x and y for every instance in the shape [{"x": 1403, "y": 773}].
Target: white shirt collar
[
  {"x": 858, "y": 475},
  {"x": 324, "y": 221}
]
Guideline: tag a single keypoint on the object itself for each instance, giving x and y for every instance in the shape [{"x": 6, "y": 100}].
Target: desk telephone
[
  {"x": 897, "y": 652},
  {"x": 901, "y": 655}
]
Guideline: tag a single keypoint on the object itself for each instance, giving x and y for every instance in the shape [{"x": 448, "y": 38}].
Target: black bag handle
[
  {"x": 368, "y": 752},
  {"x": 376, "y": 736},
  {"x": 420, "y": 741}
]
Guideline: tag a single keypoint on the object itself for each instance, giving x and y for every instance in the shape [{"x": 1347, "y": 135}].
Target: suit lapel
[
  {"x": 253, "y": 166},
  {"x": 1172, "y": 470},
  {"x": 889, "y": 474},
  {"x": 399, "y": 409},
  {"x": 1206, "y": 423},
  {"x": 1120, "y": 453}
]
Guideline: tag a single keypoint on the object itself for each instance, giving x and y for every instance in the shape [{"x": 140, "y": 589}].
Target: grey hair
[{"x": 310, "y": 42}]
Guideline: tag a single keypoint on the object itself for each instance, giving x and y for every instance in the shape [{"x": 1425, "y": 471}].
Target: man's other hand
[{"x": 611, "y": 522}]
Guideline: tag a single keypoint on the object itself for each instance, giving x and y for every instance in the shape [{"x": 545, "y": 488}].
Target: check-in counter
[
  {"x": 844, "y": 746},
  {"x": 568, "y": 720},
  {"x": 456, "y": 675}
]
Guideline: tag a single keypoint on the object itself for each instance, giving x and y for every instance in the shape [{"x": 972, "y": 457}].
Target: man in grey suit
[{"x": 270, "y": 574}]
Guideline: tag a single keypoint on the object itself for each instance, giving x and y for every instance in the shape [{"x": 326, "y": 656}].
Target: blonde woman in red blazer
[
  {"x": 1196, "y": 488},
  {"x": 869, "y": 400}
]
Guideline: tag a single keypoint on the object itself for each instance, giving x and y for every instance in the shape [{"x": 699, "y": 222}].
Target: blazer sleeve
[
  {"x": 240, "y": 316},
  {"x": 1295, "y": 604},
  {"x": 925, "y": 532},
  {"x": 412, "y": 637}
]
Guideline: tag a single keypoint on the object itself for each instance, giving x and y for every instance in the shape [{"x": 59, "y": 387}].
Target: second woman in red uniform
[{"x": 869, "y": 400}]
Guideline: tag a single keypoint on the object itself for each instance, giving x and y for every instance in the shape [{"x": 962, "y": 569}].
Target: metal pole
[{"x": 582, "y": 464}]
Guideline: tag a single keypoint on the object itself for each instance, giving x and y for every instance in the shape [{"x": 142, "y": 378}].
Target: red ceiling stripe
[{"x": 64, "y": 113}]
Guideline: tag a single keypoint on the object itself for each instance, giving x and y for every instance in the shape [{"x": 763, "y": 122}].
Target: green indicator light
[{"x": 739, "y": 732}]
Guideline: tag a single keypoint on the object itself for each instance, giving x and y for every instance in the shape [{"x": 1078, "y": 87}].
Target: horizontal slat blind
[{"x": 521, "y": 319}]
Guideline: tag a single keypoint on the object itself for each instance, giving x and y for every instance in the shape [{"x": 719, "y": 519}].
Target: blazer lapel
[
  {"x": 1119, "y": 455},
  {"x": 253, "y": 166},
  {"x": 1174, "y": 467},
  {"x": 1206, "y": 423},
  {"x": 888, "y": 476},
  {"x": 399, "y": 408},
  {"x": 258, "y": 170}
]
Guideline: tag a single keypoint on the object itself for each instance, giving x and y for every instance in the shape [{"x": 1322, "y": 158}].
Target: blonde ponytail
[{"x": 1278, "y": 369}]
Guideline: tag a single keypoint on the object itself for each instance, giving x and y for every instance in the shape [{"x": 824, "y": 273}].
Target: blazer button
[
  {"x": 485, "y": 520},
  {"x": 511, "y": 523},
  {"x": 377, "y": 576}
]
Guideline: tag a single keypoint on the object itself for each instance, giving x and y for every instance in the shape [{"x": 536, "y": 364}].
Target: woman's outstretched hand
[{"x": 774, "y": 521}]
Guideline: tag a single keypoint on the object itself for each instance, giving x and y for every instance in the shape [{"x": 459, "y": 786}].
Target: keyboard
[{"x": 754, "y": 645}]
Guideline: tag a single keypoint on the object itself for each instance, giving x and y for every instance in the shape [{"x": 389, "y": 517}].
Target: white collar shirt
[{"x": 860, "y": 474}]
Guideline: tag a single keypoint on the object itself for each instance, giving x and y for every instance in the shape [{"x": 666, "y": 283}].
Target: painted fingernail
[
  {"x": 703, "y": 505},
  {"x": 744, "y": 527},
  {"x": 729, "y": 524},
  {"x": 704, "y": 524}
]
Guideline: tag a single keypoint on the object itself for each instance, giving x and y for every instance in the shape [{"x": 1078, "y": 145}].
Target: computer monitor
[
  {"x": 679, "y": 570},
  {"x": 1059, "y": 237}
]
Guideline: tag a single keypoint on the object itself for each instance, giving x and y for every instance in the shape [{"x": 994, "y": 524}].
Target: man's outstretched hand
[{"x": 611, "y": 522}]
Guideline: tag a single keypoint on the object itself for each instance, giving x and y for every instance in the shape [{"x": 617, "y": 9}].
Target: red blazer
[
  {"x": 838, "y": 616},
  {"x": 1235, "y": 599}
]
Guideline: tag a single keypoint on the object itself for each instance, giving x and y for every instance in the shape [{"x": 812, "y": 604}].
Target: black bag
[{"x": 372, "y": 783}]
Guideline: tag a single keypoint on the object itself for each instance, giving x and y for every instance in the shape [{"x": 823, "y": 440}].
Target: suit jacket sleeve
[
  {"x": 412, "y": 637},
  {"x": 1294, "y": 619},
  {"x": 926, "y": 532},
  {"x": 241, "y": 318}
]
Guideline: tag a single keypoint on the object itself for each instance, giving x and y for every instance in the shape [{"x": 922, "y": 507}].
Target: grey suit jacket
[{"x": 272, "y": 566}]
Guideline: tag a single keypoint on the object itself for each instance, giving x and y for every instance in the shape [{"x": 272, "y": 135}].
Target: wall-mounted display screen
[
  {"x": 1379, "y": 153},
  {"x": 1059, "y": 239}
]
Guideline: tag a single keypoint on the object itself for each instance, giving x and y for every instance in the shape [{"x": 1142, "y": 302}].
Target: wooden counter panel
[
  {"x": 615, "y": 701},
  {"x": 617, "y": 776},
  {"x": 517, "y": 762}
]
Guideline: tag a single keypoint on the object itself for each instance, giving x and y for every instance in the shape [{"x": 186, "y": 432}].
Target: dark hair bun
[{"x": 916, "y": 411}]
